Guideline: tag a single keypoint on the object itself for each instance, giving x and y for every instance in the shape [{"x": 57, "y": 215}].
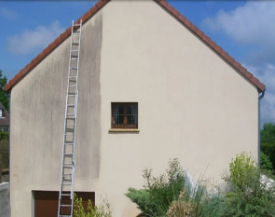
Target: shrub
[
  {"x": 159, "y": 192},
  {"x": 265, "y": 162},
  {"x": 249, "y": 196},
  {"x": 242, "y": 169},
  {"x": 100, "y": 211}
]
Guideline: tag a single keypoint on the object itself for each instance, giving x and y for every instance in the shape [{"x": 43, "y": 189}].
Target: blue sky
[{"x": 245, "y": 29}]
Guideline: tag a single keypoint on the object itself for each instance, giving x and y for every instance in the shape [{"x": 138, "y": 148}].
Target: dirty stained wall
[
  {"x": 192, "y": 106},
  {"x": 38, "y": 101}
]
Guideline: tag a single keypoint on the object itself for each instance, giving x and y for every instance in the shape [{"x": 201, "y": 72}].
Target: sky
[{"x": 244, "y": 29}]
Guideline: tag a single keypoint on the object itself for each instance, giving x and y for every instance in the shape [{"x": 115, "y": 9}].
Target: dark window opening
[{"x": 124, "y": 115}]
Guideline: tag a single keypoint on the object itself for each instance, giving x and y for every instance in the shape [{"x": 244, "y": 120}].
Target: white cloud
[
  {"x": 7, "y": 13},
  {"x": 30, "y": 40},
  {"x": 266, "y": 75},
  {"x": 251, "y": 24}
]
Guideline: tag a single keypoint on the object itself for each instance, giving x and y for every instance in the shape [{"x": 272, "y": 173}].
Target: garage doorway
[{"x": 46, "y": 202}]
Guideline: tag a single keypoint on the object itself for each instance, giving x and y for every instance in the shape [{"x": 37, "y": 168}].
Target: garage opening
[{"x": 46, "y": 202}]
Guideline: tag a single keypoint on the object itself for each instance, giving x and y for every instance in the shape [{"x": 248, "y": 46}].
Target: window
[{"x": 124, "y": 116}]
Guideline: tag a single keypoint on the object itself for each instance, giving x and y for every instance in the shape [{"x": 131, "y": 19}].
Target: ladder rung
[
  {"x": 74, "y": 50},
  {"x": 67, "y": 183},
  {"x": 68, "y": 143},
  {"x": 65, "y": 205},
  {"x": 76, "y": 24},
  {"x": 68, "y": 165},
  {"x": 66, "y": 195},
  {"x": 71, "y": 118}
]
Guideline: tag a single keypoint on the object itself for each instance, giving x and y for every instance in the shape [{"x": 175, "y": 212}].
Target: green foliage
[
  {"x": 4, "y": 136},
  {"x": 100, "y": 211},
  {"x": 269, "y": 150},
  {"x": 268, "y": 133},
  {"x": 265, "y": 162},
  {"x": 242, "y": 169},
  {"x": 158, "y": 193},
  {"x": 249, "y": 195},
  {"x": 268, "y": 141},
  {"x": 4, "y": 97}
]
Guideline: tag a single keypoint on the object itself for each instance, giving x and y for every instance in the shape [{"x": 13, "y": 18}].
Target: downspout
[{"x": 259, "y": 128}]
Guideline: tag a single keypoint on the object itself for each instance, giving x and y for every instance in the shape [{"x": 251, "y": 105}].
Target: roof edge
[
  {"x": 208, "y": 41},
  {"x": 164, "y": 4},
  {"x": 62, "y": 37}
]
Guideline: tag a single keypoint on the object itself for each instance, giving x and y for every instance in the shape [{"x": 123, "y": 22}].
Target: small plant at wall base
[
  {"x": 91, "y": 211},
  {"x": 158, "y": 193}
]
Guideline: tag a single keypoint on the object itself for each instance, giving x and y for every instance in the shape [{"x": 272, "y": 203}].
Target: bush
[
  {"x": 100, "y": 211},
  {"x": 159, "y": 192},
  {"x": 242, "y": 170},
  {"x": 250, "y": 196},
  {"x": 265, "y": 162}
]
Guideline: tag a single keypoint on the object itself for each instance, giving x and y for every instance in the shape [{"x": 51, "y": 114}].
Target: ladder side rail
[
  {"x": 64, "y": 130},
  {"x": 76, "y": 105}
]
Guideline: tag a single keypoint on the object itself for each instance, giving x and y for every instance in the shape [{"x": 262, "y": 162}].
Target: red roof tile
[{"x": 166, "y": 6}]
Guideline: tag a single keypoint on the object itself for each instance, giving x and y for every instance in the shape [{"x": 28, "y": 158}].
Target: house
[
  {"x": 4, "y": 119},
  {"x": 151, "y": 87}
]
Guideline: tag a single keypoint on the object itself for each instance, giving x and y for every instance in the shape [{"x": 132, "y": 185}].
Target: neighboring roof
[
  {"x": 5, "y": 120},
  {"x": 236, "y": 65}
]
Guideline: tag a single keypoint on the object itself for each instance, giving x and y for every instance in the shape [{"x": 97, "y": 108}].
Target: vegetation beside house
[
  {"x": 268, "y": 143},
  {"x": 250, "y": 193}
]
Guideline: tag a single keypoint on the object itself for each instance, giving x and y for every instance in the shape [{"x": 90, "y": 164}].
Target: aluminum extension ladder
[{"x": 66, "y": 192}]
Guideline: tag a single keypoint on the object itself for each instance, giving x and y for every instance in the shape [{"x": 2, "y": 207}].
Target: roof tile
[
  {"x": 176, "y": 13},
  {"x": 182, "y": 18},
  {"x": 200, "y": 33},
  {"x": 163, "y": 3}
]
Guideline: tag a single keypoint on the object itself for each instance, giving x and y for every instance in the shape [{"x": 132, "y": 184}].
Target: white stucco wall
[{"x": 192, "y": 106}]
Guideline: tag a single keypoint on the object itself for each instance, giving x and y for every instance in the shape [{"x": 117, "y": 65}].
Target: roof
[{"x": 164, "y": 4}]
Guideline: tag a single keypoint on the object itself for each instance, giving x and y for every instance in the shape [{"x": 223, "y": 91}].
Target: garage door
[{"x": 46, "y": 202}]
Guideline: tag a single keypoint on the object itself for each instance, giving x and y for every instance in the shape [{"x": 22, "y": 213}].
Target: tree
[
  {"x": 4, "y": 97},
  {"x": 268, "y": 133},
  {"x": 268, "y": 141}
]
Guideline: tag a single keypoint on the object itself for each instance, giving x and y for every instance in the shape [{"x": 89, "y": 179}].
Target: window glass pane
[
  {"x": 118, "y": 111},
  {"x": 132, "y": 114}
]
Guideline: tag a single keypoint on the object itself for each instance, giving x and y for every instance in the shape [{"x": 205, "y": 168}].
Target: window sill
[{"x": 123, "y": 130}]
